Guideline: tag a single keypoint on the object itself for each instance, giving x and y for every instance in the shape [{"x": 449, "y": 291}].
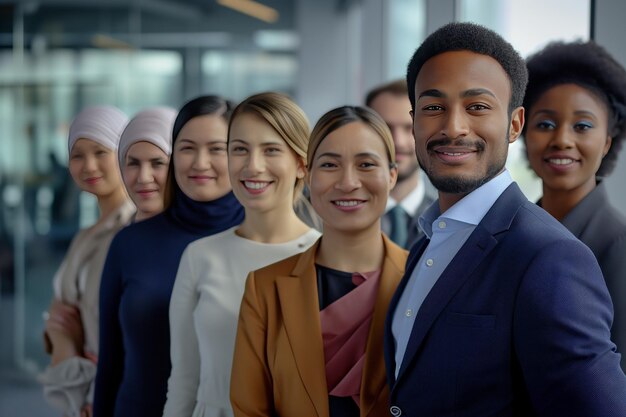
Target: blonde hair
[
  {"x": 341, "y": 116},
  {"x": 285, "y": 117}
]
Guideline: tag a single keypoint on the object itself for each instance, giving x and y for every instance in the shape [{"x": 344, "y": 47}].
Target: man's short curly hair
[
  {"x": 474, "y": 38},
  {"x": 590, "y": 66}
]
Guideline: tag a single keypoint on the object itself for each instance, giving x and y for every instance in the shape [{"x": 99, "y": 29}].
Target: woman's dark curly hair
[{"x": 590, "y": 66}]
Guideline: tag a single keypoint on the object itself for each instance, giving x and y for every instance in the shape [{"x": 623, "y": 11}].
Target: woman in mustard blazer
[{"x": 310, "y": 334}]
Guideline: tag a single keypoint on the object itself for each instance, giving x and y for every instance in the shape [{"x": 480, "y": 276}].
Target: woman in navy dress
[{"x": 138, "y": 277}]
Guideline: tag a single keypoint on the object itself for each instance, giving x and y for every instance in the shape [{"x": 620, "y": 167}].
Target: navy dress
[{"x": 137, "y": 281}]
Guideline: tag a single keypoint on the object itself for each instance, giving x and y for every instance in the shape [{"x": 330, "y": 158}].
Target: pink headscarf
[
  {"x": 102, "y": 124},
  {"x": 153, "y": 125}
]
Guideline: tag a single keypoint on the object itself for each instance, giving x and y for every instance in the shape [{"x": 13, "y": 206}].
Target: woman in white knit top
[{"x": 268, "y": 136}]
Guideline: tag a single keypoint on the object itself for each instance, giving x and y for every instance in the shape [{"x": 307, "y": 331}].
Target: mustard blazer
[{"x": 278, "y": 365}]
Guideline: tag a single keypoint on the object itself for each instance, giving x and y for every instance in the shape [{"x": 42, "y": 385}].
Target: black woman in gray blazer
[{"x": 575, "y": 127}]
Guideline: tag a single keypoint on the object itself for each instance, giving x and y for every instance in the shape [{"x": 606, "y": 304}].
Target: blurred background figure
[
  {"x": 144, "y": 157},
  {"x": 413, "y": 192},
  {"x": 143, "y": 259},
  {"x": 575, "y": 128},
  {"x": 71, "y": 335},
  {"x": 267, "y": 144}
]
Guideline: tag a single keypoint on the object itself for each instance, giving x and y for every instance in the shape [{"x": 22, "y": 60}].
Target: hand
[
  {"x": 87, "y": 411},
  {"x": 65, "y": 329}
]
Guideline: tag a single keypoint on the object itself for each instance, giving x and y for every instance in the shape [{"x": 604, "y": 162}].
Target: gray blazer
[{"x": 601, "y": 227}]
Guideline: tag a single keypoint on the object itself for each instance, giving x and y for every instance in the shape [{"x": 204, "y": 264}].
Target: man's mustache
[{"x": 465, "y": 143}]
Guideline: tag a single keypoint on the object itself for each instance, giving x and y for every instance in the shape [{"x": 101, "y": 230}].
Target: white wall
[
  {"x": 329, "y": 65},
  {"x": 343, "y": 52}
]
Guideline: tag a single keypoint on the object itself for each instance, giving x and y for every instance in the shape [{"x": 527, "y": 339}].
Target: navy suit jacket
[{"x": 517, "y": 325}]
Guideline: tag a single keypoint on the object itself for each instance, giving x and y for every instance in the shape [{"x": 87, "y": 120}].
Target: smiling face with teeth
[
  {"x": 263, "y": 168},
  {"x": 566, "y": 139},
  {"x": 461, "y": 123},
  {"x": 350, "y": 179}
]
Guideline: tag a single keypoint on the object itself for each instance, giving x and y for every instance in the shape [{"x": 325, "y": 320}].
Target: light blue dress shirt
[{"x": 447, "y": 232}]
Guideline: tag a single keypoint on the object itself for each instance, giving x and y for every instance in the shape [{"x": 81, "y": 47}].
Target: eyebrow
[
  {"x": 194, "y": 142},
  {"x": 472, "y": 92},
  {"x": 577, "y": 112},
  {"x": 157, "y": 159},
  {"x": 359, "y": 155},
  {"x": 432, "y": 93},
  {"x": 270, "y": 143}
]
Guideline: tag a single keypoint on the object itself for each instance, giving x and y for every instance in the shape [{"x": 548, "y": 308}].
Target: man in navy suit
[{"x": 502, "y": 312}]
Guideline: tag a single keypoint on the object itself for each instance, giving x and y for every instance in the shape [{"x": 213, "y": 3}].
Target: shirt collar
[
  {"x": 412, "y": 201},
  {"x": 470, "y": 209}
]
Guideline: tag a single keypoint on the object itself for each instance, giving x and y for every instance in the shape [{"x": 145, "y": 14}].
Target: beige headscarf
[
  {"x": 153, "y": 125},
  {"x": 102, "y": 124}
]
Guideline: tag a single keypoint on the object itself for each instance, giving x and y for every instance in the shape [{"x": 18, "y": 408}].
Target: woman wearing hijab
[
  {"x": 267, "y": 143},
  {"x": 143, "y": 259},
  {"x": 71, "y": 334},
  {"x": 310, "y": 334},
  {"x": 144, "y": 155}
]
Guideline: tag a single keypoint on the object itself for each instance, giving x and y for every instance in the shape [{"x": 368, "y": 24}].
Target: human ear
[
  {"x": 393, "y": 176},
  {"x": 516, "y": 124},
  {"x": 607, "y": 146},
  {"x": 301, "y": 170}
]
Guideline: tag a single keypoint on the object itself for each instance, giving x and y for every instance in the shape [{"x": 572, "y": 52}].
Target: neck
[
  {"x": 560, "y": 202},
  {"x": 447, "y": 200},
  {"x": 275, "y": 226},
  {"x": 405, "y": 187},
  {"x": 111, "y": 202},
  {"x": 143, "y": 215},
  {"x": 352, "y": 252}
]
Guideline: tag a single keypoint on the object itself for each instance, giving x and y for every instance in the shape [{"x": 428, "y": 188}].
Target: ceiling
[{"x": 135, "y": 23}]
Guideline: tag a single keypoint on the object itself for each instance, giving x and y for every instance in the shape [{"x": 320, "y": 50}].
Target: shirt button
[
  {"x": 409, "y": 312},
  {"x": 442, "y": 225},
  {"x": 395, "y": 411},
  {"x": 429, "y": 262}
]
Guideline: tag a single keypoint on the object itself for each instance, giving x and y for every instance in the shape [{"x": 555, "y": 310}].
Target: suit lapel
[
  {"x": 373, "y": 378},
  {"x": 299, "y": 304},
  {"x": 480, "y": 243}
]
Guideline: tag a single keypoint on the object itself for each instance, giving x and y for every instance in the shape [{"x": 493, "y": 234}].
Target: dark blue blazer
[{"x": 517, "y": 325}]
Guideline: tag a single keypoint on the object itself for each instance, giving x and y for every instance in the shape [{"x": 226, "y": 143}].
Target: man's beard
[
  {"x": 408, "y": 172},
  {"x": 460, "y": 184}
]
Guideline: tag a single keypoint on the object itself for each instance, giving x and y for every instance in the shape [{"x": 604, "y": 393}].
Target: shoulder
[
  {"x": 526, "y": 237},
  {"x": 607, "y": 239},
  {"x": 534, "y": 223},
  {"x": 283, "y": 267},
  {"x": 395, "y": 254},
  {"x": 143, "y": 229},
  {"x": 550, "y": 255},
  {"x": 608, "y": 224},
  {"x": 78, "y": 238},
  {"x": 217, "y": 243}
]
